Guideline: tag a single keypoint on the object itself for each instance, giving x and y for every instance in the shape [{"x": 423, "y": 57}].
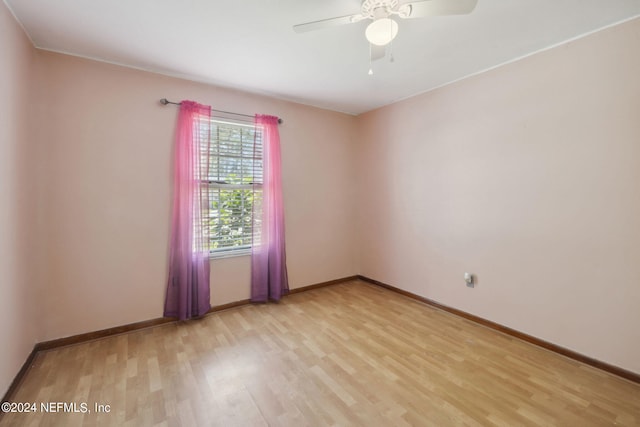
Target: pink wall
[
  {"x": 108, "y": 152},
  {"x": 19, "y": 255},
  {"x": 529, "y": 177}
]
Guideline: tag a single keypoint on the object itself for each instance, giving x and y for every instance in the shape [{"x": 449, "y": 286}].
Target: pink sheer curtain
[
  {"x": 188, "y": 285},
  {"x": 269, "y": 279}
]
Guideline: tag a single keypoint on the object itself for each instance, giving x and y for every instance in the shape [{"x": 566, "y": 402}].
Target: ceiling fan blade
[
  {"x": 326, "y": 23},
  {"x": 377, "y": 52},
  {"x": 426, "y": 8}
]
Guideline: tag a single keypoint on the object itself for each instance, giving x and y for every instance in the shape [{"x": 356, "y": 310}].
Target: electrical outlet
[{"x": 468, "y": 278}]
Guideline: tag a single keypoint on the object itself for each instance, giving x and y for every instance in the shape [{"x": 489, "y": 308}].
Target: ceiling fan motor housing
[{"x": 378, "y": 9}]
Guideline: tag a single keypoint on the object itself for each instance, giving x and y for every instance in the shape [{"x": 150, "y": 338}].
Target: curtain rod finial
[{"x": 164, "y": 101}]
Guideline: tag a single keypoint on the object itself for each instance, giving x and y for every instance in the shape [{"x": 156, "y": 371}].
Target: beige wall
[
  {"x": 109, "y": 145},
  {"x": 529, "y": 177},
  {"x": 19, "y": 254}
]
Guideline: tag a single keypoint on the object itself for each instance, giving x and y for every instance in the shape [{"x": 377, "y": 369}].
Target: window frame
[{"x": 242, "y": 250}]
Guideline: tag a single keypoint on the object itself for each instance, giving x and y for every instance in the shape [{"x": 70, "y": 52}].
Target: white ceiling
[{"x": 250, "y": 45}]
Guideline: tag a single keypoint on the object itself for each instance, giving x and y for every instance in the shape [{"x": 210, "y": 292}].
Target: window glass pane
[
  {"x": 230, "y": 217},
  {"x": 235, "y": 154}
]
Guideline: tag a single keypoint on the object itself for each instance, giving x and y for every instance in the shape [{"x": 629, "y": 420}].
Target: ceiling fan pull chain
[{"x": 391, "y": 59}]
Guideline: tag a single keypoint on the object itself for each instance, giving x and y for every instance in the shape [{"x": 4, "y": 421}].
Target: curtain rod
[{"x": 165, "y": 101}]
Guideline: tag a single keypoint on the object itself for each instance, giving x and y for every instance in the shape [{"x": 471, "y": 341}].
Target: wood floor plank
[{"x": 346, "y": 355}]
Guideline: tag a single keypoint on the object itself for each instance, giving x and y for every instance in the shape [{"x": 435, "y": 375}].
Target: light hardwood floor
[{"x": 349, "y": 354}]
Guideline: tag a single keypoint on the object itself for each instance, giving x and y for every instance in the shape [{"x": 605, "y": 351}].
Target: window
[{"x": 234, "y": 183}]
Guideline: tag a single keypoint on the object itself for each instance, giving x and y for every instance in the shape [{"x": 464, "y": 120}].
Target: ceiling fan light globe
[{"x": 381, "y": 31}]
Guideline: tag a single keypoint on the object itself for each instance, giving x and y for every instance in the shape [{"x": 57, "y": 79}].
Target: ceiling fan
[{"x": 383, "y": 28}]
